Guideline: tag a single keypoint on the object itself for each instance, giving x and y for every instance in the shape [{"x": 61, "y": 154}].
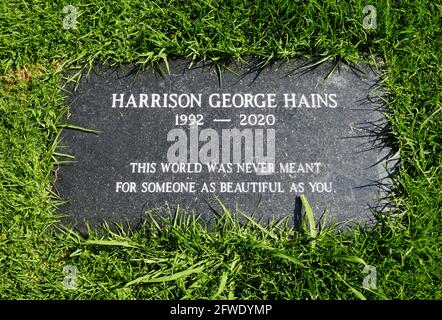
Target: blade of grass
[
  {"x": 172, "y": 277},
  {"x": 310, "y": 218}
]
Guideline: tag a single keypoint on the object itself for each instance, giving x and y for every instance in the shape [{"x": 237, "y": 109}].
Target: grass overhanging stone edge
[{"x": 74, "y": 72}]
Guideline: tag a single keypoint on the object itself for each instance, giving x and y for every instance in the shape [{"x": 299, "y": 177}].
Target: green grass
[{"x": 183, "y": 259}]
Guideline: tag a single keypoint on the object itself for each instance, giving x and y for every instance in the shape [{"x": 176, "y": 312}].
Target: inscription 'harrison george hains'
[
  {"x": 223, "y": 100},
  {"x": 259, "y": 144}
]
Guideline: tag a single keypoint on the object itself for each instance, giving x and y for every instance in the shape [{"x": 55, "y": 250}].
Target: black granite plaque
[{"x": 256, "y": 138}]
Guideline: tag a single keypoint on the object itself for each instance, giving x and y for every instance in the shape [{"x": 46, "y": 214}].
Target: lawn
[{"x": 183, "y": 259}]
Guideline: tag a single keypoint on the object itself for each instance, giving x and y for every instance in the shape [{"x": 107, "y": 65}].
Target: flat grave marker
[{"x": 257, "y": 138}]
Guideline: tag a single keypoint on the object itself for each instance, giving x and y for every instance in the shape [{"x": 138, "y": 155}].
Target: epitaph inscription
[{"x": 256, "y": 138}]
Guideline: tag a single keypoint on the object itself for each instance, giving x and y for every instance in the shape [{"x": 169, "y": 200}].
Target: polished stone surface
[{"x": 335, "y": 148}]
